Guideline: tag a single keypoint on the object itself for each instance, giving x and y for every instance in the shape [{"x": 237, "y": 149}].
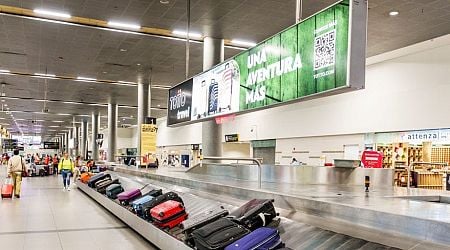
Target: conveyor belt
[{"x": 295, "y": 235}]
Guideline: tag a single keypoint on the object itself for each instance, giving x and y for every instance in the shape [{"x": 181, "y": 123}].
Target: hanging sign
[
  {"x": 372, "y": 159},
  {"x": 323, "y": 54}
]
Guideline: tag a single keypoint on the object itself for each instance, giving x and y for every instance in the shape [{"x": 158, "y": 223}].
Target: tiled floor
[{"x": 46, "y": 217}]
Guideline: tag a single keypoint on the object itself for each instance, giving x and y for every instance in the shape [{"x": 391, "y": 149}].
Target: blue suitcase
[
  {"x": 138, "y": 205},
  {"x": 263, "y": 238}
]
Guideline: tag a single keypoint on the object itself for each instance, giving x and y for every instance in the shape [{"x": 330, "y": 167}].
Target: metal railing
[
  {"x": 254, "y": 160},
  {"x": 421, "y": 163}
]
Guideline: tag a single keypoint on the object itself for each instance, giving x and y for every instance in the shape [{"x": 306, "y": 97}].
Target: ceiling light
[
  {"x": 47, "y": 75},
  {"x": 243, "y": 43},
  {"x": 124, "y": 25},
  {"x": 123, "y": 50},
  {"x": 4, "y": 71},
  {"x": 6, "y": 105},
  {"x": 126, "y": 82},
  {"x": 183, "y": 33},
  {"x": 138, "y": 64},
  {"x": 393, "y": 13},
  {"x": 52, "y": 13},
  {"x": 86, "y": 79},
  {"x": 53, "y": 126},
  {"x": 164, "y": 1},
  {"x": 159, "y": 105}
]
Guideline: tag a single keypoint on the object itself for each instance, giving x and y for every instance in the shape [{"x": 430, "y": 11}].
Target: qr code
[{"x": 325, "y": 50}]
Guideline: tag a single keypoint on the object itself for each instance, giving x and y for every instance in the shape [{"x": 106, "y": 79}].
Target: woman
[
  {"x": 66, "y": 169},
  {"x": 77, "y": 169}
]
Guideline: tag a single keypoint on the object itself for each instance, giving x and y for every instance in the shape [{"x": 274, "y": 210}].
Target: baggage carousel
[{"x": 294, "y": 234}]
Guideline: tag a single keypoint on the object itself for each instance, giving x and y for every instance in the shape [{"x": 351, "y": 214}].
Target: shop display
[
  {"x": 218, "y": 234},
  {"x": 168, "y": 214},
  {"x": 200, "y": 220},
  {"x": 255, "y": 213},
  {"x": 440, "y": 154},
  {"x": 428, "y": 180},
  {"x": 261, "y": 238}
]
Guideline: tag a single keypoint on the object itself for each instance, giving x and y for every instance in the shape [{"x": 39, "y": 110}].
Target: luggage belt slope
[{"x": 294, "y": 234}]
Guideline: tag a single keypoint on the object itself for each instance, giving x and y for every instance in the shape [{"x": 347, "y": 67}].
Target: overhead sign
[
  {"x": 51, "y": 145},
  {"x": 434, "y": 135},
  {"x": 232, "y": 138},
  {"x": 321, "y": 55},
  {"x": 180, "y": 101}
]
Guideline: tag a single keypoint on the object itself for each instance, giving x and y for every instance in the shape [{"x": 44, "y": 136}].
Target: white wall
[
  {"x": 407, "y": 91},
  {"x": 189, "y": 134},
  {"x": 308, "y": 150}
]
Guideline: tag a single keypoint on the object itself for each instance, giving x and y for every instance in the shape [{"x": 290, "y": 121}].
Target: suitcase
[
  {"x": 255, "y": 213},
  {"x": 218, "y": 234},
  {"x": 7, "y": 190},
  {"x": 158, "y": 200},
  {"x": 96, "y": 178},
  {"x": 138, "y": 205},
  {"x": 200, "y": 220},
  {"x": 101, "y": 187},
  {"x": 128, "y": 196},
  {"x": 113, "y": 190},
  {"x": 263, "y": 238},
  {"x": 168, "y": 214},
  {"x": 85, "y": 177}
]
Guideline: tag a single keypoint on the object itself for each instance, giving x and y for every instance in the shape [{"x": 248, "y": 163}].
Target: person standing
[
  {"x": 55, "y": 163},
  {"x": 16, "y": 166},
  {"x": 66, "y": 168},
  {"x": 77, "y": 169}
]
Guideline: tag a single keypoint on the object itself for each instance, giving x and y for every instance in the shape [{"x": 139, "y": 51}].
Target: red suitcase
[
  {"x": 168, "y": 214},
  {"x": 7, "y": 191}
]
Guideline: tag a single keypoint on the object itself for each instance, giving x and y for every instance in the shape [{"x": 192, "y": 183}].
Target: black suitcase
[
  {"x": 101, "y": 186},
  {"x": 158, "y": 200},
  {"x": 255, "y": 213},
  {"x": 218, "y": 234},
  {"x": 98, "y": 177},
  {"x": 137, "y": 206},
  {"x": 113, "y": 190},
  {"x": 200, "y": 220}
]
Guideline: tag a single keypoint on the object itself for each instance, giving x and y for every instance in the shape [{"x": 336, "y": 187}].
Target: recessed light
[
  {"x": 82, "y": 78},
  {"x": 124, "y": 25},
  {"x": 4, "y": 71},
  {"x": 159, "y": 105},
  {"x": 164, "y": 1},
  {"x": 105, "y": 72},
  {"x": 51, "y": 13},
  {"x": 184, "y": 33},
  {"x": 138, "y": 64},
  {"x": 243, "y": 43},
  {"x": 393, "y": 13},
  {"x": 123, "y": 50}
]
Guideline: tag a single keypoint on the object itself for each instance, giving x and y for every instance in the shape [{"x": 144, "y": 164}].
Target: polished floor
[{"x": 48, "y": 218}]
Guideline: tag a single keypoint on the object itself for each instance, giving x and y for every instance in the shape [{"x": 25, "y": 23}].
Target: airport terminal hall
[{"x": 225, "y": 124}]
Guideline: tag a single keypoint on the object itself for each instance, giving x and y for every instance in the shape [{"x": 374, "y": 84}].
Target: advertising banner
[
  {"x": 318, "y": 55},
  {"x": 148, "y": 139},
  {"x": 216, "y": 92},
  {"x": 180, "y": 101}
]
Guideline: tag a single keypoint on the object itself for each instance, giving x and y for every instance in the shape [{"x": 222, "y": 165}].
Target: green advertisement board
[
  {"x": 324, "y": 54},
  {"x": 305, "y": 59}
]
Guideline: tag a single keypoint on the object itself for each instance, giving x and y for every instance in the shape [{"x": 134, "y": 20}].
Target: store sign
[
  {"x": 435, "y": 136},
  {"x": 232, "y": 138},
  {"x": 180, "y": 101},
  {"x": 148, "y": 139},
  {"x": 320, "y": 54},
  {"x": 195, "y": 146},
  {"x": 372, "y": 159}
]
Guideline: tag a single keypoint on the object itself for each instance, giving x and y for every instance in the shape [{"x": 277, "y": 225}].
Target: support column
[
  {"x": 95, "y": 123},
  {"x": 112, "y": 131},
  {"x": 76, "y": 141},
  {"x": 144, "y": 102},
  {"x": 213, "y": 53},
  {"x": 70, "y": 136},
  {"x": 84, "y": 136},
  {"x": 66, "y": 142}
]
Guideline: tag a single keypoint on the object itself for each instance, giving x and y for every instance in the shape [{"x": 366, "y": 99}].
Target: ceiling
[{"x": 34, "y": 46}]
